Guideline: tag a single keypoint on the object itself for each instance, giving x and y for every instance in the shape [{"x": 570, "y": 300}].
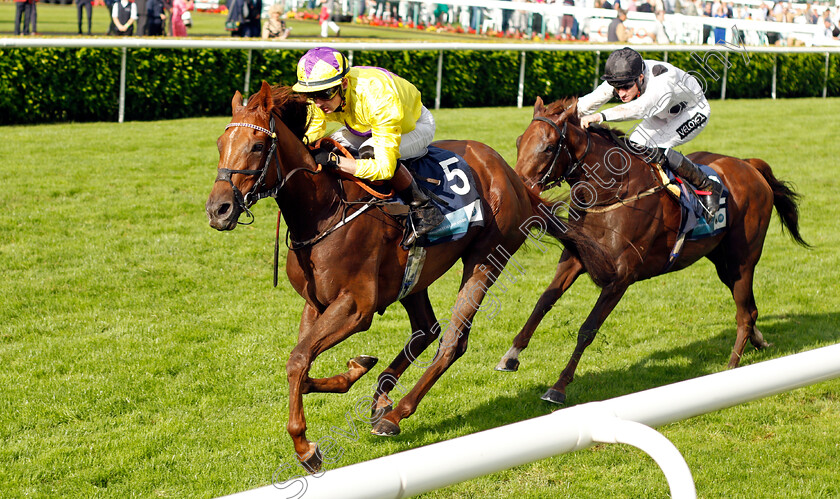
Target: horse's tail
[
  {"x": 784, "y": 199},
  {"x": 574, "y": 238}
]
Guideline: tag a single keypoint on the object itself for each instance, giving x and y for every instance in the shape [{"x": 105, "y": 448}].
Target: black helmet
[{"x": 623, "y": 66}]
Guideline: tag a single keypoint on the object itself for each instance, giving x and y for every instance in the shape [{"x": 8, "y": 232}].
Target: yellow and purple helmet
[{"x": 319, "y": 69}]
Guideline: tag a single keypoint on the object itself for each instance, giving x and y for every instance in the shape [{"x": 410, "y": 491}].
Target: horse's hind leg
[
  {"x": 453, "y": 344},
  {"x": 739, "y": 280},
  {"x": 424, "y": 331},
  {"x": 568, "y": 270},
  {"x": 608, "y": 299}
]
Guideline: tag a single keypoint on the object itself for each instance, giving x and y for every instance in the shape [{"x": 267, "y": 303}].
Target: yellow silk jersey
[{"x": 378, "y": 104}]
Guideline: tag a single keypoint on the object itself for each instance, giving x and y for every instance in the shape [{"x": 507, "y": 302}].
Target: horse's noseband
[{"x": 547, "y": 181}]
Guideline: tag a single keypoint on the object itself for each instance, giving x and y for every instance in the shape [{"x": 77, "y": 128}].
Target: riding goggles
[
  {"x": 326, "y": 94},
  {"x": 623, "y": 85}
]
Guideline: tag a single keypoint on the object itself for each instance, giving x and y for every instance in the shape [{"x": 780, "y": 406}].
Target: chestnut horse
[
  {"x": 627, "y": 209},
  {"x": 348, "y": 270}
]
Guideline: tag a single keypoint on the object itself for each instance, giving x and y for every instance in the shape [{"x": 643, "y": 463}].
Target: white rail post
[
  {"x": 773, "y": 85},
  {"x": 121, "y": 114},
  {"x": 825, "y": 80},
  {"x": 439, "y": 78},
  {"x": 521, "y": 93},
  {"x": 247, "y": 90},
  {"x": 597, "y": 69},
  {"x": 725, "y": 73}
]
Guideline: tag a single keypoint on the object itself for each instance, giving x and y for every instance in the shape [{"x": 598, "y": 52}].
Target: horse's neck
[{"x": 308, "y": 200}]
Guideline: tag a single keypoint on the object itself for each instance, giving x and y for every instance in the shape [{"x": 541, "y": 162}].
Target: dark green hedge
[{"x": 82, "y": 84}]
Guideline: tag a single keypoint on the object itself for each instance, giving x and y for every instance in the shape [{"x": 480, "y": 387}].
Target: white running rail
[{"x": 627, "y": 419}]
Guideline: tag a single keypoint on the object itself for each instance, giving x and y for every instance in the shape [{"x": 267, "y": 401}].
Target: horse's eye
[
  {"x": 257, "y": 147},
  {"x": 550, "y": 149}
]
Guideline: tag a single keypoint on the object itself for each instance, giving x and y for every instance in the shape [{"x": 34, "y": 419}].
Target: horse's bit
[{"x": 546, "y": 180}]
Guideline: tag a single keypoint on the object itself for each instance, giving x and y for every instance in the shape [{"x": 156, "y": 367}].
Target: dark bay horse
[
  {"x": 619, "y": 201},
  {"x": 347, "y": 273}
]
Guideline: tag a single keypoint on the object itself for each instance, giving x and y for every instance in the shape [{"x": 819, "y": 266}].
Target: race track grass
[{"x": 142, "y": 353}]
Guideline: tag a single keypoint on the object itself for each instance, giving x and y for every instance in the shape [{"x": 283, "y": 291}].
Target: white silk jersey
[
  {"x": 672, "y": 106},
  {"x": 379, "y": 105}
]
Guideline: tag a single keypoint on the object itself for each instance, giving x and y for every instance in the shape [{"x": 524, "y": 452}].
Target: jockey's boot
[
  {"x": 686, "y": 169},
  {"x": 423, "y": 215}
]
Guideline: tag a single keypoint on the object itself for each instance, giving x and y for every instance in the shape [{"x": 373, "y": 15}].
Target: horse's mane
[
  {"x": 290, "y": 106},
  {"x": 570, "y": 104}
]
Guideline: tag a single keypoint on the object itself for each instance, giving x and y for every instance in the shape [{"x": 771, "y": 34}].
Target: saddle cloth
[
  {"x": 461, "y": 205},
  {"x": 693, "y": 223}
]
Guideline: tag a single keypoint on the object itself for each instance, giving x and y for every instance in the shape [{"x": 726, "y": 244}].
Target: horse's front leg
[
  {"x": 607, "y": 300},
  {"x": 568, "y": 270},
  {"x": 319, "y": 332}
]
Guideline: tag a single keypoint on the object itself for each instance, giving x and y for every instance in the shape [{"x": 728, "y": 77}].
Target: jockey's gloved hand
[{"x": 327, "y": 159}]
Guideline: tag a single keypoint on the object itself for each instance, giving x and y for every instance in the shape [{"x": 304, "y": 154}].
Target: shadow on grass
[{"x": 788, "y": 334}]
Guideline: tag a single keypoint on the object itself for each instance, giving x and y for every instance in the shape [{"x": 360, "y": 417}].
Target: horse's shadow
[{"x": 788, "y": 334}]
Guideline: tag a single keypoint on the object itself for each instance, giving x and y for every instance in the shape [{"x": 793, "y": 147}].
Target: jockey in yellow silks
[{"x": 383, "y": 120}]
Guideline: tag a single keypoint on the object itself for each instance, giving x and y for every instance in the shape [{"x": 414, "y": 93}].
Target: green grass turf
[
  {"x": 61, "y": 20},
  {"x": 142, "y": 353}
]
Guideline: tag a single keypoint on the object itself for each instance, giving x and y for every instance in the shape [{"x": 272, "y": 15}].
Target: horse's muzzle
[{"x": 223, "y": 214}]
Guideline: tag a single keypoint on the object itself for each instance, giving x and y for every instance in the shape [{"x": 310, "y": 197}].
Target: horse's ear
[
  {"x": 539, "y": 108},
  {"x": 264, "y": 97},
  {"x": 236, "y": 103}
]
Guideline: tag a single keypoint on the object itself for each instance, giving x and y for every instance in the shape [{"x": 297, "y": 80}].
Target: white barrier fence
[
  {"x": 126, "y": 43},
  {"x": 626, "y": 419}
]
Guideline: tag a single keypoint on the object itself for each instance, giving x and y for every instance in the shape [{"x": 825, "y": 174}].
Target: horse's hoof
[
  {"x": 554, "y": 396},
  {"x": 313, "y": 460},
  {"x": 508, "y": 365},
  {"x": 366, "y": 362},
  {"x": 385, "y": 428}
]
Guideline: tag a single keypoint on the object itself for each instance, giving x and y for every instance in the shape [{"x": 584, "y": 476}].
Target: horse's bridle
[
  {"x": 258, "y": 190},
  {"x": 546, "y": 181}
]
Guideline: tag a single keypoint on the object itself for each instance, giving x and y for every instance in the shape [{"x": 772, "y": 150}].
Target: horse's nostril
[{"x": 224, "y": 208}]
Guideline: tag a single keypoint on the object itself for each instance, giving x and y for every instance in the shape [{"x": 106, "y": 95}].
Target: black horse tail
[
  {"x": 784, "y": 199},
  {"x": 571, "y": 234}
]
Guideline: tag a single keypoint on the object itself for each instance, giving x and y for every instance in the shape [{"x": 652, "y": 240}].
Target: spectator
[
  {"x": 275, "y": 27},
  {"x": 88, "y": 6},
  {"x": 659, "y": 35},
  {"x": 617, "y": 32},
  {"x": 567, "y": 23},
  {"x": 251, "y": 14},
  {"x": 124, "y": 16},
  {"x": 23, "y": 13},
  {"x": 155, "y": 18},
  {"x": 645, "y": 7},
  {"x": 707, "y": 28},
  {"x": 142, "y": 16},
  {"x": 326, "y": 19},
  {"x": 720, "y": 33},
  {"x": 179, "y": 8}
]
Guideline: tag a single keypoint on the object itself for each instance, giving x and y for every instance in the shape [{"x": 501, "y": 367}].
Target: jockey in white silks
[{"x": 671, "y": 105}]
